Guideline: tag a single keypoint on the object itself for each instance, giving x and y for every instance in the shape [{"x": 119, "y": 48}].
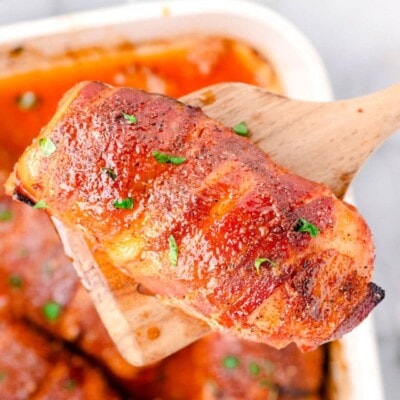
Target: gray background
[{"x": 359, "y": 41}]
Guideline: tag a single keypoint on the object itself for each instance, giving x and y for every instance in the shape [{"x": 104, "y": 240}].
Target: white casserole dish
[{"x": 355, "y": 368}]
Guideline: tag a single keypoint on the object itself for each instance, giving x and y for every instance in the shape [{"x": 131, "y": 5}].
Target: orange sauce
[{"x": 174, "y": 68}]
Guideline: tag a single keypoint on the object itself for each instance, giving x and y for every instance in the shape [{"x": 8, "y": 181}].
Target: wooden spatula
[{"x": 325, "y": 142}]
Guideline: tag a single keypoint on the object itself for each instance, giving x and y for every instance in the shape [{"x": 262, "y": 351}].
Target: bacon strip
[{"x": 226, "y": 206}]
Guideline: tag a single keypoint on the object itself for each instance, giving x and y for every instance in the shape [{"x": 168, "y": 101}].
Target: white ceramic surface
[{"x": 298, "y": 64}]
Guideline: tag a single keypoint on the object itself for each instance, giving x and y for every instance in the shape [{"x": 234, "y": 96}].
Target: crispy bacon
[
  {"x": 31, "y": 253},
  {"x": 224, "y": 367},
  {"x": 36, "y": 368},
  {"x": 226, "y": 206}
]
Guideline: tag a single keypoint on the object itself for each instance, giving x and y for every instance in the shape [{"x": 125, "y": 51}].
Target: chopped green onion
[
  {"x": 27, "y": 101},
  {"x": 51, "y": 310},
  {"x": 302, "y": 225},
  {"x": 163, "y": 158},
  {"x": 124, "y": 204},
  {"x": 110, "y": 172},
  {"x": 241, "y": 129},
  {"x": 15, "y": 281},
  {"x": 40, "y": 205},
  {"x": 5, "y": 215},
  {"x": 231, "y": 362},
  {"x": 254, "y": 368},
  {"x": 260, "y": 261},
  {"x": 47, "y": 146},
  {"x": 173, "y": 251},
  {"x": 130, "y": 118},
  {"x": 3, "y": 376}
]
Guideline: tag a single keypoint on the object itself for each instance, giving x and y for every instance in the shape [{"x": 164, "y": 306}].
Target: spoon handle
[
  {"x": 342, "y": 135},
  {"x": 324, "y": 142}
]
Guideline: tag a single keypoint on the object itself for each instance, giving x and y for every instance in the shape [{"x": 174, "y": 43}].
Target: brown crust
[{"x": 227, "y": 205}]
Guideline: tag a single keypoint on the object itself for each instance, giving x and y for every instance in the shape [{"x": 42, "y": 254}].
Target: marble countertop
[{"x": 359, "y": 41}]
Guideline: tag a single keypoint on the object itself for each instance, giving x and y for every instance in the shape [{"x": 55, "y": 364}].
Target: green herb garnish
[
  {"x": 163, "y": 158},
  {"x": 47, "y": 146},
  {"x": 70, "y": 385},
  {"x": 110, "y": 172},
  {"x": 3, "y": 376},
  {"x": 130, "y": 118},
  {"x": 241, "y": 129},
  {"x": 260, "y": 261},
  {"x": 15, "y": 281},
  {"x": 302, "y": 225},
  {"x": 124, "y": 204},
  {"x": 5, "y": 215},
  {"x": 173, "y": 251},
  {"x": 51, "y": 310},
  {"x": 40, "y": 205},
  {"x": 27, "y": 101},
  {"x": 231, "y": 362},
  {"x": 254, "y": 368}
]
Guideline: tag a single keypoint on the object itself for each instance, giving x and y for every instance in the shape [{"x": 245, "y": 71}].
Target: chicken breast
[
  {"x": 202, "y": 217},
  {"x": 226, "y": 368},
  {"x": 36, "y": 274},
  {"x": 33, "y": 367}
]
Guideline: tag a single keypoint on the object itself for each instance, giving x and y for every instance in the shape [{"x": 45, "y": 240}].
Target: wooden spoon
[{"x": 325, "y": 142}]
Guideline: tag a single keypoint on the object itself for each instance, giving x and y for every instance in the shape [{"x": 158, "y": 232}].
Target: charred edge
[
  {"x": 20, "y": 197},
  {"x": 378, "y": 294},
  {"x": 374, "y": 296}
]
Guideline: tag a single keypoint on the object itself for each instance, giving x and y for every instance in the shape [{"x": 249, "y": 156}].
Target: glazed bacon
[
  {"x": 224, "y": 367},
  {"x": 215, "y": 229}
]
